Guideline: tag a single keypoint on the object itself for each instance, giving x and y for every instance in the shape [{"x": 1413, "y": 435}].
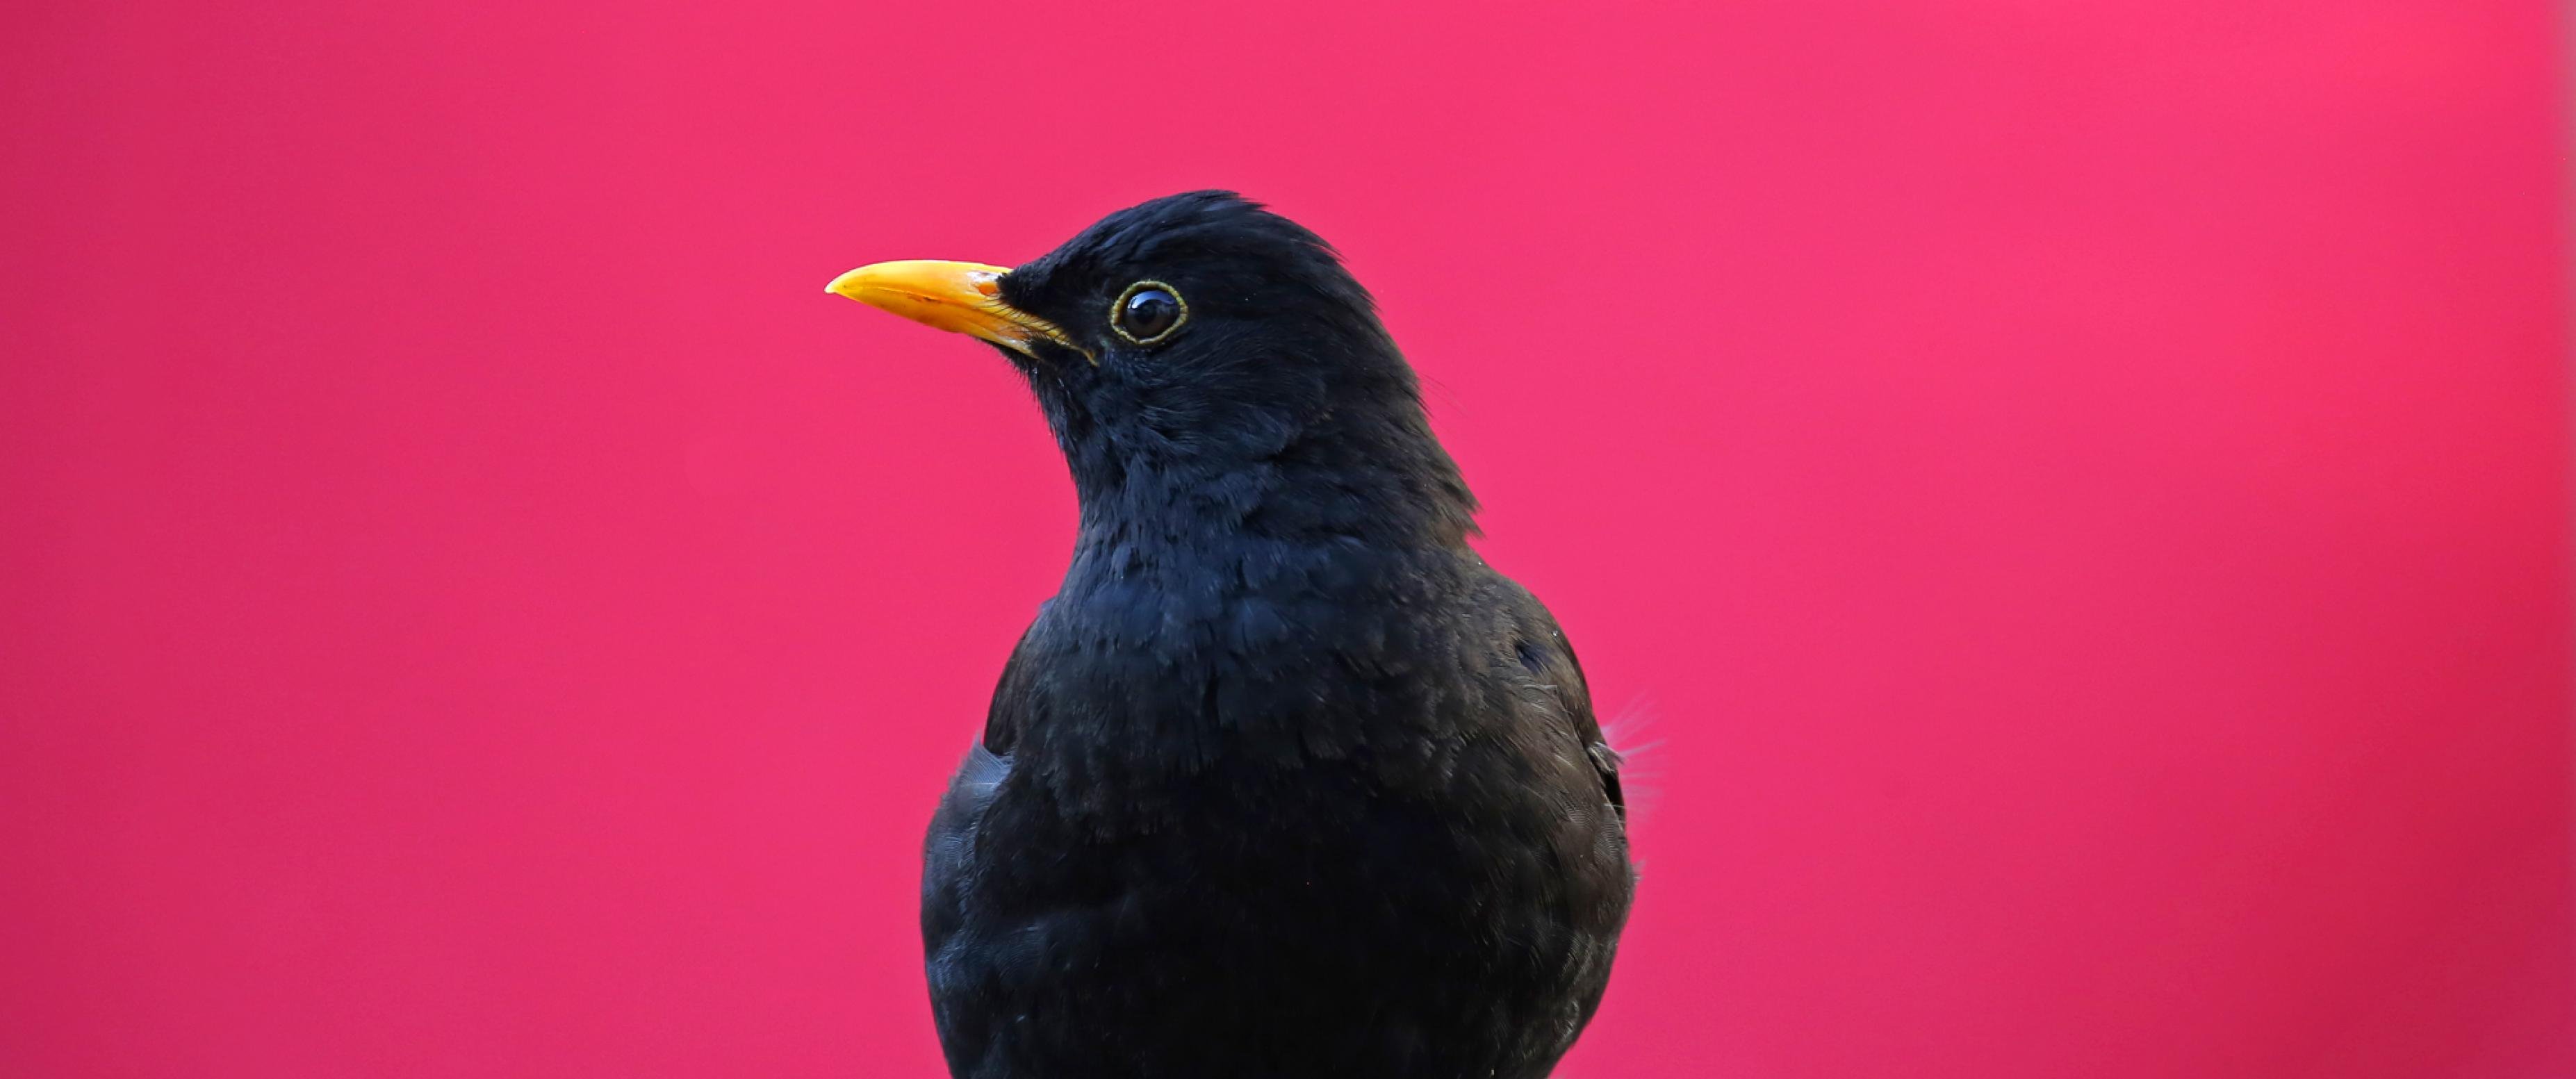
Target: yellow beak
[{"x": 959, "y": 297}]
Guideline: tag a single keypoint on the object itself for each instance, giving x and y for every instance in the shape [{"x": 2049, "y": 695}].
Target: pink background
[{"x": 2077, "y": 492}]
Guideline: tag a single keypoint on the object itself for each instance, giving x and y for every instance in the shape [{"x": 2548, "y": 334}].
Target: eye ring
[{"x": 1118, "y": 311}]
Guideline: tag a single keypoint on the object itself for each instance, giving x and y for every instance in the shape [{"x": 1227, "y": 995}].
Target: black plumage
[{"x": 1285, "y": 781}]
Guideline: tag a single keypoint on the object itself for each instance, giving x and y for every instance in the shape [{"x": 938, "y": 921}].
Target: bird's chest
[
  {"x": 1291, "y": 720},
  {"x": 1148, "y": 697},
  {"x": 1268, "y": 657},
  {"x": 1238, "y": 816},
  {"x": 1246, "y": 848},
  {"x": 1274, "y": 924}
]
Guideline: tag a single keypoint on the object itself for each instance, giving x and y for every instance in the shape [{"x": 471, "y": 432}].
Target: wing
[
  {"x": 947, "y": 884},
  {"x": 1541, "y": 647},
  {"x": 960, "y": 1003},
  {"x": 947, "y": 856}
]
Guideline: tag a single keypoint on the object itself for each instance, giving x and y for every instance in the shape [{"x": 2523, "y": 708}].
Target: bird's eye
[{"x": 1148, "y": 312}]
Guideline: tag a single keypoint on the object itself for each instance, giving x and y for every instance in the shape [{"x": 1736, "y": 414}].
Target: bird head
[{"x": 1200, "y": 355}]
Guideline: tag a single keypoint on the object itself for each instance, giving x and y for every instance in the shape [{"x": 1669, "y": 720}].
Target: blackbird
[{"x": 1284, "y": 782}]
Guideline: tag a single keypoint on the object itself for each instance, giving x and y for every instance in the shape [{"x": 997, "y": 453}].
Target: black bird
[{"x": 1284, "y": 782}]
